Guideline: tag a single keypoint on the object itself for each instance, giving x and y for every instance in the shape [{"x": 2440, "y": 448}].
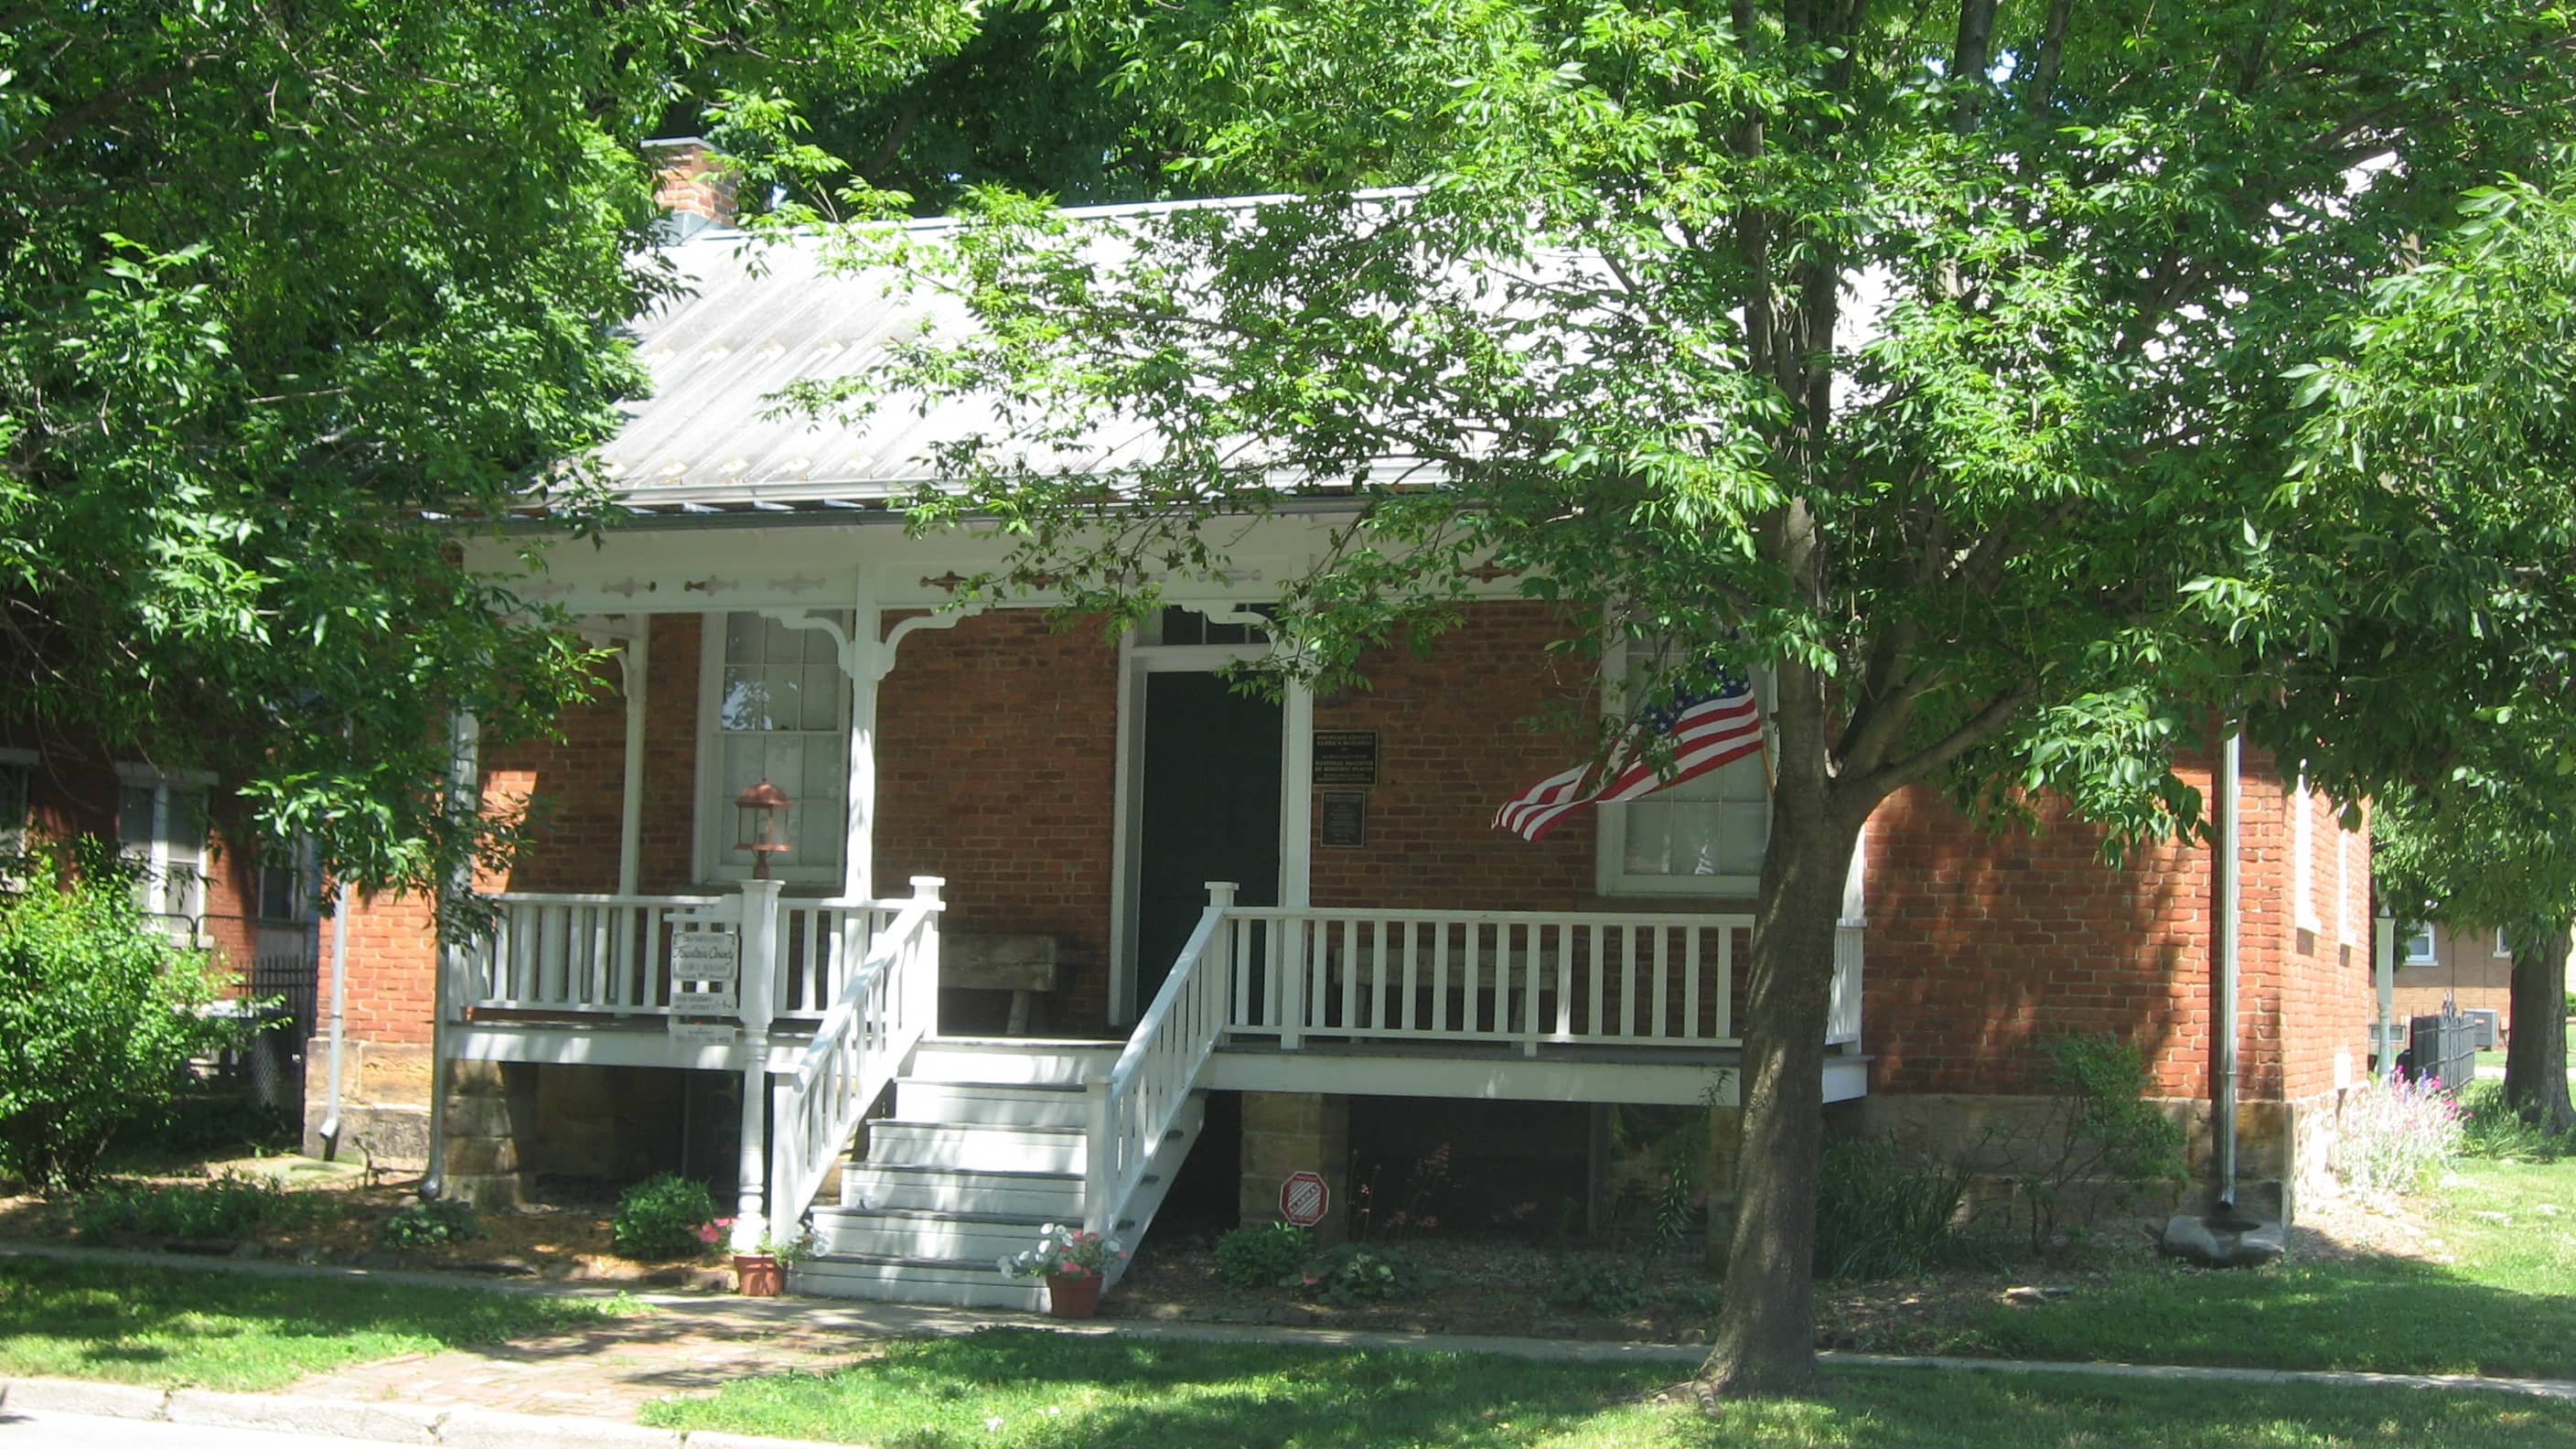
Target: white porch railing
[
  {"x": 1134, "y": 1107},
  {"x": 884, "y": 1008},
  {"x": 611, "y": 954},
  {"x": 1531, "y": 978}
]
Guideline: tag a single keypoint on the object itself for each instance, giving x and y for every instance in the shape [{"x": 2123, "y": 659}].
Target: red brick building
[{"x": 1000, "y": 821}]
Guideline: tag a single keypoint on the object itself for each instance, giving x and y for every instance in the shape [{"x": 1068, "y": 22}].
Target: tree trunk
[
  {"x": 2535, "y": 1059},
  {"x": 1766, "y": 1324}
]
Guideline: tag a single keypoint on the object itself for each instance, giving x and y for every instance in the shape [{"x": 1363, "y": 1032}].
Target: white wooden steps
[{"x": 985, "y": 1147}]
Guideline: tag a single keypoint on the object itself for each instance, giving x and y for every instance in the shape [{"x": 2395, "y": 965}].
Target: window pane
[
  {"x": 134, "y": 818},
  {"x": 744, "y": 704},
  {"x": 742, "y": 638}
]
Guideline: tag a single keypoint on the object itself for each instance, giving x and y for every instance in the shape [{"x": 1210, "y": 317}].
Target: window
[
  {"x": 1703, "y": 836},
  {"x": 286, "y": 883},
  {"x": 17, "y": 772},
  {"x": 2501, "y": 948},
  {"x": 2303, "y": 866},
  {"x": 161, "y": 826},
  {"x": 2415, "y": 948},
  {"x": 777, "y": 707}
]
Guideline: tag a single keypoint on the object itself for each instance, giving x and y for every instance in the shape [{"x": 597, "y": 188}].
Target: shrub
[
  {"x": 2490, "y": 1127},
  {"x": 1357, "y": 1273},
  {"x": 1264, "y": 1257},
  {"x": 227, "y": 1207},
  {"x": 660, "y": 1218},
  {"x": 430, "y": 1222},
  {"x": 2103, "y": 1132},
  {"x": 1879, "y": 1215},
  {"x": 99, "y": 1016},
  {"x": 2396, "y": 1136},
  {"x": 1602, "y": 1285}
]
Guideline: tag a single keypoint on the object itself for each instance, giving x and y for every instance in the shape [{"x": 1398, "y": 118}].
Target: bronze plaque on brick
[
  {"x": 1345, "y": 819},
  {"x": 1345, "y": 757}
]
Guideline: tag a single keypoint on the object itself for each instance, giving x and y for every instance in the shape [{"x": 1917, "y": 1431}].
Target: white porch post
[
  {"x": 636, "y": 660},
  {"x": 867, "y": 665},
  {"x": 757, "y": 983}
]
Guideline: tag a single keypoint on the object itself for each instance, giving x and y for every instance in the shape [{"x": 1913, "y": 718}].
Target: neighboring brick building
[{"x": 207, "y": 879}]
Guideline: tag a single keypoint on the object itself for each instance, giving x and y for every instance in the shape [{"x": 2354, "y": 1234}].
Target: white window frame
[
  {"x": 716, "y": 818},
  {"x": 1611, "y": 876},
  {"x": 156, "y": 854},
  {"x": 2409, "y": 934},
  {"x": 2303, "y": 866},
  {"x": 2502, "y": 950}
]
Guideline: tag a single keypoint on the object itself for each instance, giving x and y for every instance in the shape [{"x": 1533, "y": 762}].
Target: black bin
[{"x": 2445, "y": 1047}]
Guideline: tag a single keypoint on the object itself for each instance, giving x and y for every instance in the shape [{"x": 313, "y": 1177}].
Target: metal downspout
[
  {"x": 2229, "y": 926},
  {"x": 330, "y": 1133}
]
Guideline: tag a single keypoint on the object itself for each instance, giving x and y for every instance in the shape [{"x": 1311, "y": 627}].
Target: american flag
[{"x": 1705, "y": 729}]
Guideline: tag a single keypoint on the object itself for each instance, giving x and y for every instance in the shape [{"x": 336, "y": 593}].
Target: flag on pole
[{"x": 1705, "y": 729}]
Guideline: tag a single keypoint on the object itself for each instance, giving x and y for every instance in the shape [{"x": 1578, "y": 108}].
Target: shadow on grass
[
  {"x": 1016, "y": 1389},
  {"x": 217, "y": 1327},
  {"x": 2382, "y": 1314}
]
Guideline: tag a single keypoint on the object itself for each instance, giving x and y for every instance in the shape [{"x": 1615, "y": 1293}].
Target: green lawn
[
  {"x": 1020, "y": 1389},
  {"x": 234, "y": 1330},
  {"x": 2506, "y": 1304}
]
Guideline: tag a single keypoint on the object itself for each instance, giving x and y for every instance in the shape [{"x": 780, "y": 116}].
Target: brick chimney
[{"x": 691, "y": 186}]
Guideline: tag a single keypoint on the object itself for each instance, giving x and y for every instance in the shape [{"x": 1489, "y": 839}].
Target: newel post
[
  {"x": 923, "y": 980},
  {"x": 1221, "y": 895},
  {"x": 757, "y": 982},
  {"x": 1099, "y": 1154}
]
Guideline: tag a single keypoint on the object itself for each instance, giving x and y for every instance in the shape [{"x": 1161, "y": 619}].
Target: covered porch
[{"x": 1376, "y": 939}]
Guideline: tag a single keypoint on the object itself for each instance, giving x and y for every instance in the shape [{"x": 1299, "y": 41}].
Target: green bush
[
  {"x": 1602, "y": 1285},
  {"x": 226, "y": 1208},
  {"x": 2103, "y": 1138},
  {"x": 430, "y": 1222},
  {"x": 1880, "y": 1215},
  {"x": 1264, "y": 1257},
  {"x": 1358, "y": 1273},
  {"x": 663, "y": 1217},
  {"x": 2489, "y": 1127},
  {"x": 99, "y": 1016}
]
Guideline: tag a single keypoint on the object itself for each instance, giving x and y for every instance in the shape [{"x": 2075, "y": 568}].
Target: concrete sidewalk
[{"x": 584, "y": 1387}]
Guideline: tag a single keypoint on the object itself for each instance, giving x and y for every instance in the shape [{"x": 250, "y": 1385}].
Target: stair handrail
[
  {"x": 888, "y": 1004},
  {"x": 1134, "y": 1107}
]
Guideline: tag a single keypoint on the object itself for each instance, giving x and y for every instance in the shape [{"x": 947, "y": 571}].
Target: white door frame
[{"x": 1296, "y": 801}]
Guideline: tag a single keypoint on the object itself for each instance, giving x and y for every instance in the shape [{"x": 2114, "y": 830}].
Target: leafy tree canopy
[
  {"x": 281, "y": 285},
  {"x": 1971, "y": 366}
]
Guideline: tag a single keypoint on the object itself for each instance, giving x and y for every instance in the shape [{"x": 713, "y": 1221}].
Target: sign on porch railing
[{"x": 706, "y": 973}]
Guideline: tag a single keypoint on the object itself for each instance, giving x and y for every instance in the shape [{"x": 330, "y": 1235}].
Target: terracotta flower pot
[
  {"x": 759, "y": 1275},
  {"x": 1073, "y": 1295}
]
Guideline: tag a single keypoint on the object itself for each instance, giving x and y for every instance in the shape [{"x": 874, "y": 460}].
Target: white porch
[{"x": 822, "y": 1005}]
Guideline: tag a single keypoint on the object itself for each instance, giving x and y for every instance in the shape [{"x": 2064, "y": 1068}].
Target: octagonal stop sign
[{"x": 1303, "y": 1199}]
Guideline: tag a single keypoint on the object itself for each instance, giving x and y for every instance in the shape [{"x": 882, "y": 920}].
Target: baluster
[
  {"x": 1725, "y": 982},
  {"x": 1663, "y": 980},
  {"x": 1412, "y": 983},
  {"x": 598, "y": 974},
  {"x": 1594, "y": 1024},
  {"x": 1439, "y": 975},
  {"x": 1690, "y": 982}
]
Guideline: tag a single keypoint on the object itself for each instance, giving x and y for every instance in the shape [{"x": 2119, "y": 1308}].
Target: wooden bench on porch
[{"x": 1025, "y": 964}]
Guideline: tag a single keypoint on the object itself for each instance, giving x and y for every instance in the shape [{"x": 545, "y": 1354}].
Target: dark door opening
[{"x": 1210, "y": 812}]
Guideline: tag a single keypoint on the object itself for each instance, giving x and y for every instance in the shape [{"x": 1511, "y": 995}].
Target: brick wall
[
  {"x": 2465, "y": 966},
  {"x": 1981, "y": 945},
  {"x": 996, "y": 767},
  {"x": 1454, "y": 743}
]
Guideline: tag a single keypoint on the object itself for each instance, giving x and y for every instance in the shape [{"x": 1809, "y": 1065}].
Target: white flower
[{"x": 994, "y": 1423}]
